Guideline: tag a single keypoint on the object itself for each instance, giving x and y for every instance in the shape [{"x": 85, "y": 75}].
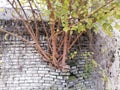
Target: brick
[
  {"x": 54, "y": 73},
  {"x": 41, "y": 81},
  {"x": 45, "y": 78},
  {"x": 66, "y": 77},
  {"x": 46, "y": 85},
  {"x": 59, "y": 77},
  {"x": 47, "y": 75},
  {"x": 43, "y": 72},
  {"x": 43, "y": 66},
  {"x": 35, "y": 81},
  {"x": 51, "y": 76},
  {"x": 58, "y": 83},
  {"x": 17, "y": 88},
  {"x": 38, "y": 73},
  {"x": 21, "y": 81},
  {"x": 35, "y": 75},
  {"x": 31, "y": 72},
  {"x": 65, "y": 74}
]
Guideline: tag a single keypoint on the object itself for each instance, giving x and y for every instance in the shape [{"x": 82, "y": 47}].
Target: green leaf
[
  {"x": 108, "y": 28},
  {"x": 75, "y": 15},
  {"x": 94, "y": 63},
  {"x": 117, "y": 26},
  {"x": 81, "y": 28},
  {"x": 74, "y": 27},
  {"x": 117, "y": 16},
  {"x": 95, "y": 27},
  {"x": 2, "y": 10},
  {"x": 66, "y": 29}
]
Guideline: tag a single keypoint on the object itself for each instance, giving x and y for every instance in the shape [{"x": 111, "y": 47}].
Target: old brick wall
[{"x": 21, "y": 68}]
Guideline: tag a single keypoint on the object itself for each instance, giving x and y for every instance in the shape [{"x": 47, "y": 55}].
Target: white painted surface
[{"x": 4, "y": 3}]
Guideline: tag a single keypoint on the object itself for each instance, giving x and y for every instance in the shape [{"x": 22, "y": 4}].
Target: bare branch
[
  {"x": 101, "y": 7},
  {"x": 22, "y": 9},
  {"x": 20, "y": 37},
  {"x": 75, "y": 40},
  {"x": 35, "y": 21}
]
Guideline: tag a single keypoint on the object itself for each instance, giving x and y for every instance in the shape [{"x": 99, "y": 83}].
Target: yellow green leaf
[
  {"x": 117, "y": 26},
  {"x": 2, "y": 10}
]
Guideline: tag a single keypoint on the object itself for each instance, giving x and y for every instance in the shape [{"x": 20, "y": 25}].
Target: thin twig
[
  {"x": 101, "y": 7},
  {"x": 20, "y": 37},
  {"x": 44, "y": 28},
  {"x": 75, "y": 40},
  {"x": 35, "y": 21},
  {"x": 52, "y": 29},
  {"x": 30, "y": 30},
  {"x": 22, "y": 9},
  {"x": 97, "y": 10}
]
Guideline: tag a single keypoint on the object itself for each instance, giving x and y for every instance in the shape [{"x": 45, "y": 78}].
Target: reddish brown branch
[
  {"x": 75, "y": 40},
  {"x": 60, "y": 44},
  {"x": 65, "y": 49},
  {"x": 44, "y": 28},
  {"x": 52, "y": 29},
  {"x": 30, "y": 30},
  {"x": 22, "y": 9},
  {"x": 95, "y": 11},
  {"x": 35, "y": 21}
]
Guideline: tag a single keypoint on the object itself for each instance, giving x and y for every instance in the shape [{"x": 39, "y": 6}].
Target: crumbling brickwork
[{"x": 22, "y": 68}]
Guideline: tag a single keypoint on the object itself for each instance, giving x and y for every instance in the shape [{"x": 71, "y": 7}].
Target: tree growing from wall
[{"x": 67, "y": 19}]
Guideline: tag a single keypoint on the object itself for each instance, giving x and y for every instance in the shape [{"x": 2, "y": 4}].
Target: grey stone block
[
  {"x": 54, "y": 73},
  {"x": 59, "y": 77},
  {"x": 52, "y": 76},
  {"x": 43, "y": 72},
  {"x": 46, "y": 85},
  {"x": 46, "y": 78}
]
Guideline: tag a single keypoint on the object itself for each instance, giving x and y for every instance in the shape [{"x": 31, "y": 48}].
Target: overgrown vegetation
[{"x": 66, "y": 18}]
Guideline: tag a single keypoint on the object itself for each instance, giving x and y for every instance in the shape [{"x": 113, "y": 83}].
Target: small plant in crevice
[
  {"x": 89, "y": 68},
  {"x": 103, "y": 73},
  {"x": 90, "y": 64},
  {"x": 72, "y": 63},
  {"x": 72, "y": 55},
  {"x": 72, "y": 77},
  {"x": 87, "y": 54},
  {"x": 72, "y": 58},
  {"x": 104, "y": 77}
]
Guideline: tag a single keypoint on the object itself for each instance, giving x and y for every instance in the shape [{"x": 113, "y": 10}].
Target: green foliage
[
  {"x": 75, "y": 13},
  {"x": 2, "y": 10},
  {"x": 90, "y": 65},
  {"x": 72, "y": 55},
  {"x": 72, "y": 77},
  {"x": 74, "y": 16},
  {"x": 103, "y": 73},
  {"x": 117, "y": 26},
  {"x": 87, "y": 54},
  {"x": 107, "y": 28}
]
